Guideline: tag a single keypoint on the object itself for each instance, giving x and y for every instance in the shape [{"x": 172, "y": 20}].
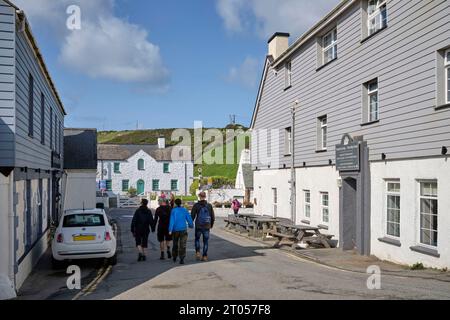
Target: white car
[{"x": 84, "y": 234}]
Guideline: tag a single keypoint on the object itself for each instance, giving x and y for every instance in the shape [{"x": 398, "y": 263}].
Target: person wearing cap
[
  {"x": 162, "y": 219},
  {"x": 203, "y": 215}
]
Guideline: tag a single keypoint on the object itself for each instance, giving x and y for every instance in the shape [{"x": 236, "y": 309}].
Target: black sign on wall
[{"x": 348, "y": 155}]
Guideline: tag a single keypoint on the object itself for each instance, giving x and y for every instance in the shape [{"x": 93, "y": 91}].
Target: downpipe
[{"x": 12, "y": 232}]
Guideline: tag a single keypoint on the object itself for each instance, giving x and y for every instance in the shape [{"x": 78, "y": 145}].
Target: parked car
[{"x": 84, "y": 234}]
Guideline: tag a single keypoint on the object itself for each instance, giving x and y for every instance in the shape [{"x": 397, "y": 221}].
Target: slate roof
[
  {"x": 80, "y": 149},
  {"x": 247, "y": 172},
  {"x": 122, "y": 152}
]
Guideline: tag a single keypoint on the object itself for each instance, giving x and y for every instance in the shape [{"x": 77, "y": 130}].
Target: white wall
[
  {"x": 409, "y": 171},
  {"x": 80, "y": 188},
  {"x": 264, "y": 181},
  {"x": 225, "y": 195},
  {"x": 317, "y": 180},
  {"x": 153, "y": 170},
  {"x": 6, "y": 286}
]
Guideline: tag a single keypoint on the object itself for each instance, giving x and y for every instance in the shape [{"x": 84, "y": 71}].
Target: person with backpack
[
  {"x": 236, "y": 205},
  {"x": 178, "y": 230},
  {"x": 203, "y": 215},
  {"x": 140, "y": 227},
  {"x": 162, "y": 219}
]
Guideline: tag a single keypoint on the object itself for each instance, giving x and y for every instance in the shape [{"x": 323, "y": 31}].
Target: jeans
[
  {"x": 205, "y": 233},
  {"x": 179, "y": 244}
]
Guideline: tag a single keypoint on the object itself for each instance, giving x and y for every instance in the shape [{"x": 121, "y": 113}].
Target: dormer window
[{"x": 141, "y": 165}]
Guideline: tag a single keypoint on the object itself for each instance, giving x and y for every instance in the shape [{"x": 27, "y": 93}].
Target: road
[{"x": 240, "y": 269}]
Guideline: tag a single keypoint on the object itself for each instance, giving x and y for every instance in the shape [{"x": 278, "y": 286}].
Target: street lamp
[{"x": 295, "y": 105}]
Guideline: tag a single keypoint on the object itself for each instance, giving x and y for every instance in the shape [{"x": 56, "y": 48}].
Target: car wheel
[
  {"x": 57, "y": 265},
  {"x": 113, "y": 260}
]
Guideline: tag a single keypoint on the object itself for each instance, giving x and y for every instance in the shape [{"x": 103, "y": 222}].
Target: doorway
[
  {"x": 140, "y": 187},
  {"x": 349, "y": 214}
]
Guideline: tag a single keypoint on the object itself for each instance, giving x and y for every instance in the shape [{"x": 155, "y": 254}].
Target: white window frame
[
  {"x": 333, "y": 45},
  {"x": 325, "y": 207},
  {"x": 288, "y": 75},
  {"x": 288, "y": 141},
  {"x": 420, "y": 197},
  {"x": 370, "y": 94},
  {"x": 274, "y": 202},
  {"x": 376, "y": 15},
  {"x": 447, "y": 75},
  {"x": 307, "y": 203},
  {"x": 394, "y": 194},
  {"x": 323, "y": 132}
]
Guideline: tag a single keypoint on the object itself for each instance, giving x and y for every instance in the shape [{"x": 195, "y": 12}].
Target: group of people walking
[{"x": 171, "y": 221}]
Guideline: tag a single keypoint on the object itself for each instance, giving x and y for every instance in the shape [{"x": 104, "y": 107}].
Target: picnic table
[
  {"x": 299, "y": 234},
  {"x": 262, "y": 225}
]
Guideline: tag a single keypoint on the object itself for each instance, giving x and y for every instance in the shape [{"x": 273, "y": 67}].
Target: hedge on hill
[{"x": 217, "y": 183}]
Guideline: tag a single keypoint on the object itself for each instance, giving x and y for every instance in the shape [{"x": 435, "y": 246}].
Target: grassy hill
[{"x": 151, "y": 137}]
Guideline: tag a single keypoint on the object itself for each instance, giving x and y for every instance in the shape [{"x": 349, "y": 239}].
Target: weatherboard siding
[
  {"x": 7, "y": 62},
  {"x": 402, "y": 57},
  {"x": 29, "y": 150}
]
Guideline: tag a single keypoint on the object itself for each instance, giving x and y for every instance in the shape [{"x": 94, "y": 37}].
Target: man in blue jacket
[{"x": 179, "y": 217}]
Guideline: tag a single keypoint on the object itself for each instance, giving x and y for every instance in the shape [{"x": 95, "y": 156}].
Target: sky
[{"x": 144, "y": 64}]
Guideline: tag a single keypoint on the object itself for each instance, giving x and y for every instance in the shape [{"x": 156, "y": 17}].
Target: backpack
[{"x": 204, "y": 217}]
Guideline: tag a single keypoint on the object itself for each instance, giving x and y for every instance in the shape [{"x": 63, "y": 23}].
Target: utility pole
[{"x": 293, "y": 179}]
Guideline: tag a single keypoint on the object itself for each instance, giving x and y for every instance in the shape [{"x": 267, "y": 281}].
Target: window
[
  {"x": 274, "y": 202},
  {"x": 30, "y": 105},
  {"x": 329, "y": 46},
  {"x": 174, "y": 185},
  {"x": 141, "y": 164},
  {"x": 288, "y": 141},
  {"x": 155, "y": 185},
  {"x": 288, "y": 75},
  {"x": 372, "y": 96},
  {"x": 60, "y": 137},
  {"x": 42, "y": 119},
  {"x": 447, "y": 76},
  {"x": 393, "y": 209},
  {"x": 51, "y": 129},
  {"x": 108, "y": 185},
  {"x": 117, "y": 167},
  {"x": 429, "y": 213},
  {"x": 325, "y": 208},
  {"x": 125, "y": 185},
  {"x": 322, "y": 133},
  {"x": 377, "y": 15},
  {"x": 166, "y": 168},
  {"x": 307, "y": 194},
  {"x": 55, "y": 147}
]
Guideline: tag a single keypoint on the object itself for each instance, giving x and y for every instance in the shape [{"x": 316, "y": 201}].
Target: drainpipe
[
  {"x": 12, "y": 232},
  {"x": 293, "y": 178}
]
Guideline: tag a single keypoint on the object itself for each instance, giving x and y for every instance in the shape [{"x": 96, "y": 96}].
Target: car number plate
[{"x": 84, "y": 238}]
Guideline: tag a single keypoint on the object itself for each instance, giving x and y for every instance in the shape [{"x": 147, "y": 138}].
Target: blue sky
[{"x": 162, "y": 64}]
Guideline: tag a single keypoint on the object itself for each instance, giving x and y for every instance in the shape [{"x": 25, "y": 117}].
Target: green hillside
[{"x": 151, "y": 136}]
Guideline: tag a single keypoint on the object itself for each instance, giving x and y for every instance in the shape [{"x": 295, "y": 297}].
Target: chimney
[
  {"x": 161, "y": 143},
  {"x": 278, "y": 44}
]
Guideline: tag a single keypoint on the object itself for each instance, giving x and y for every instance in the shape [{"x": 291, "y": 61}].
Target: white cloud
[
  {"x": 265, "y": 17},
  {"x": 106, "y": 47},
  {"x": 246, "y": 74}
]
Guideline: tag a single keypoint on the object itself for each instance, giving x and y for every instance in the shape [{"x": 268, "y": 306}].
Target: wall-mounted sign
[{"x": 348, "y": 155}]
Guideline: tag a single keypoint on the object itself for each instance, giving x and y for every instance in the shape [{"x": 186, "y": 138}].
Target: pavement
[{"x": 239, "y": 269}]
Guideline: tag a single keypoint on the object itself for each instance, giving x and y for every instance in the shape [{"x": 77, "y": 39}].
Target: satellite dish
[
  {"x": 199, "y": 170},
  {"x": 105, "y": 172}
]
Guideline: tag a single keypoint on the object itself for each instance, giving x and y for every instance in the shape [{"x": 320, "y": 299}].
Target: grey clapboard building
[
  {"x": 368, "y": 83},
  {"x": 31, "y": 148}
]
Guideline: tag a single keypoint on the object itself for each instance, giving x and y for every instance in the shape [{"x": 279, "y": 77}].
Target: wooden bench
[
  {"x": 283, "y": 236},
  {"x": 231, "y": 222}
]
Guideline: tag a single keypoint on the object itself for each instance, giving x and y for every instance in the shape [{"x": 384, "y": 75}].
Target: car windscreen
[{"x": 83, "y": 220}]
